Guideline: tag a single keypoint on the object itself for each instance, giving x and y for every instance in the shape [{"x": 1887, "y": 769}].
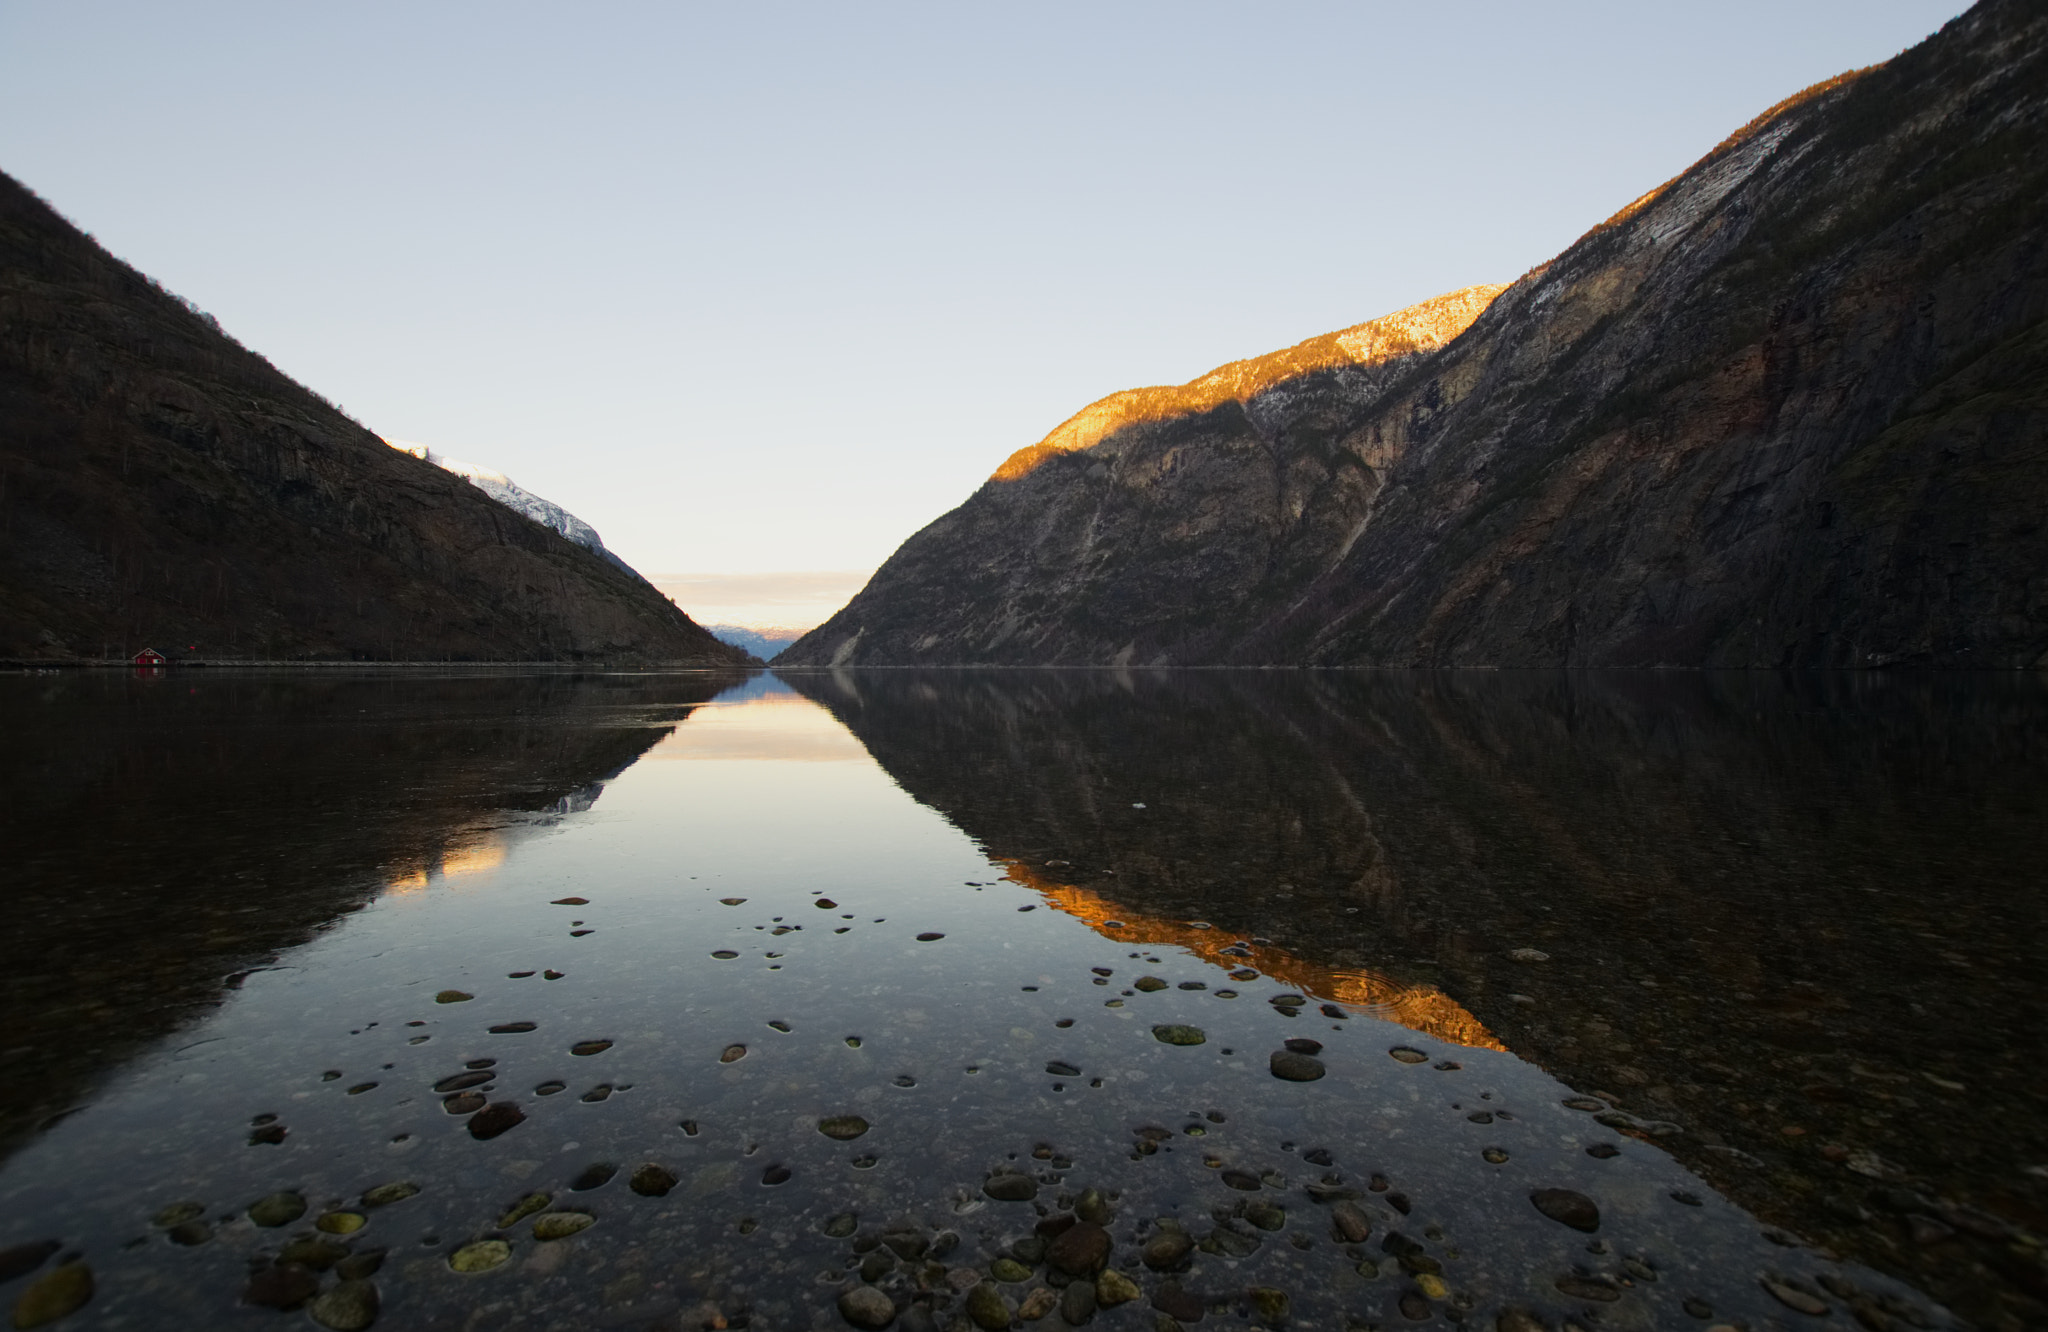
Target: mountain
[
  {"x": 163, "y": 486},
  {"x": 1788, "y": 409},
  {"x": 520, "y": 500},
  {"x": 763, "y": 643}
]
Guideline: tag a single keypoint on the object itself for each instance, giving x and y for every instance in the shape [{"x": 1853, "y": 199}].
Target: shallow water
[{"x": 1770, "y": 949}]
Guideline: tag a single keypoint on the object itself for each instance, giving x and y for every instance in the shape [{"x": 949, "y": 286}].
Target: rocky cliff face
[
  {"x": 162, "y": 486},
  {"x": 1789, "y": 409}
]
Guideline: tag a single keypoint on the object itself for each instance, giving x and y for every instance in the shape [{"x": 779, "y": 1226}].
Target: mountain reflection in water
[
  {"x": 1335, "y": 1001},
  {"x": 1799, "y": 920}
]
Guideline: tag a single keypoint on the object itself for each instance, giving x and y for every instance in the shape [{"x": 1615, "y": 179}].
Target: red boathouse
[{"x": 151, "y": 657}]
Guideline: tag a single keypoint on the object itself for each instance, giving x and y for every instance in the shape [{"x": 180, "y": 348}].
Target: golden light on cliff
[
  {"x": 1422, "y": 1008},
  {"x": 1419, "y": 328}
]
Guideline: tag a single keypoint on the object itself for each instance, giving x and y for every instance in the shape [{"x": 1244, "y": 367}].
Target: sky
[{"x": 766, "y": 287}]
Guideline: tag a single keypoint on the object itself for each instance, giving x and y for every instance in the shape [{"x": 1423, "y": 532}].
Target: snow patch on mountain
[{"x": 516, "y": 498}]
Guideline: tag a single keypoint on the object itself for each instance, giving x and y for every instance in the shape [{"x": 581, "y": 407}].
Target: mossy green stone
[
  {"x": 524, "y": 1208},
  {"x": 844, "y": 1128},
  {"x": 386, "y": 1194},
  {"x": 1009, "y": 1269},
  {"x": 177, "y": 1214},
  {"x": 1113, "y": 1288},
  {"x": 481, "y": 1256},
  {"x": 561, "y": 1225},
  {"x": 64, "y": 1291},
  {"x": 279, "y": 1209},
  {"x": 453, "y": 997},
  {"x": 341, "y": 1223},
  {"x": 1175, "y": 1033}
]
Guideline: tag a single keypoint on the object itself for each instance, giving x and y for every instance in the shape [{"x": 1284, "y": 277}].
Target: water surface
[{"x": 1749, "y": 965}]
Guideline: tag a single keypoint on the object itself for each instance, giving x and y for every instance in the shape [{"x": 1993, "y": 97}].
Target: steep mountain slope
[
  {"x": 520, "y": 500},
  {"x": 160, "y": 485},
  {"x": 1790, "y": 408}
]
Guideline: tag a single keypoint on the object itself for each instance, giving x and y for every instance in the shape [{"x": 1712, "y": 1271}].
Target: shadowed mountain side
[
  {"x": 1759, "y": 897},
  {"x": 285, "y": 802},
  {"x": 1789, "y": 409},
  {"x": 161, "y": 486}
]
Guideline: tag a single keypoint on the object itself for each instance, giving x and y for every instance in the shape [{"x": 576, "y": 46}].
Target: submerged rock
[
  {"x": 561, "y": 1225},
  {"x": 64, "y": 1290},
  {"x": 843, "y": 1128},
  {"x": 866, "y": 1307},
  {"x": 349, "y": 1307},
  {"x": 652, "y": 1181},
  {"x": 279, "y": 1209},
  {"x": 481, "y": 1256},
  {"x": 1291, "y": 1067},
  {"x": 1175, "y": 1033},
  {"x": 494, "y": 1119},
  {"x": 1567, "y": 1207}
]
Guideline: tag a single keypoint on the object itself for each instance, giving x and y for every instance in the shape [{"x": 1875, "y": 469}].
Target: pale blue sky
[{"x": 768, "y": 286}]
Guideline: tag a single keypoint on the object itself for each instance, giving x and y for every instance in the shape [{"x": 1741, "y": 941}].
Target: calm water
[{"x": 1739, "y": 977}]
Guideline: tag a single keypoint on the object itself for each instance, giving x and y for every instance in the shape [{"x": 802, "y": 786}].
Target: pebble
[
  {"x": 843, "y": 1128},
  {"x": 453, "y": 997},
  {"x": 1009, "y": 1271},
  {"x": 279, "y": 1209},
  {"x": 1528, "y": 955},
  {"x": 318, "y": 1254},
  {"x": 280, "y": 1287},
  {"x": 732, "y": 901},
  {"x": 1270, "y": 1303},
  {"x": 1494, "y": 1156},
  {"x": 495, "y": 1118},
  {"x": 348, "y": 1307},
  {"x": 341, "y": 1223},
  {"x": 1241, "y": 1179},
  {"x": 1597, "y": 1289},
  {"x": 724, "y": 954},
  {"x": 550, "y": 1087},
  {"x": 189, "y": 1233},
  {"x": 386, "y": 1194},
  {"x": 570, "y": 901},
  {"x": 1291, "y": 1067},
  {"x": 777, "y": 1174},
  {"x": 1077, "y": 1303},
  {"x": 1303, "y": 1045},
  {"x": 1567, "y": 1207},
  {"x": 1011, "y": 1188},
  {"x": 587, "y": 1048},
  {"x": 1177, "y": 1304},
  {"x": 1601, "y": 1151},
  {"x": 481, "y": 1256},
  {"x": 594, "y": 1176},
  {"x": 931, "y": 936},
  {"x": 987, "y": 1307},
  {"x": 561, "y": 1225},
  {"x": 1413, "y": 1306},
  {"x": 514, "y": 1028},
  {"x": 1176, "y": 1033},
  {"x": 1518, "y": 1320},
  {"x": 1060, "y": 1068},
  {"x": 176, "y": 1214},
  {"x": 524, "y": 1208},
  {"x": 553, "y": 975},
  {"x": 1794, "y": 1298},
  {"x": 1352, "y": 1224},
  {"x": 864, "y": 1306},
  {"x": 1148, "y": 984},
  {"x": 61, "y": 1291},
  {"x": 732, "y": 1054},
  {"x": 1408, "y": 1055},
  {"x": 1079, "y": 1249},
  {"x": 456, "y": 1082},
  {"x": 652, "y": 1181},
  {"x": 1040, "y": 1302},
  {"x": 464, "y": 1103},
  {"x": 1113, "y": 1288},
  {"x": 1266, "y": 1216}
]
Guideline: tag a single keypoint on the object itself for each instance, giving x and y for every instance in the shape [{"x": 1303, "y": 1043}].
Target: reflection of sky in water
[{"x": 764, "y": 797}]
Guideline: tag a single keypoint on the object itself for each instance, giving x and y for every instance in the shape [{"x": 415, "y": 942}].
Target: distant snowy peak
[{"x": 521, "y": 501}]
